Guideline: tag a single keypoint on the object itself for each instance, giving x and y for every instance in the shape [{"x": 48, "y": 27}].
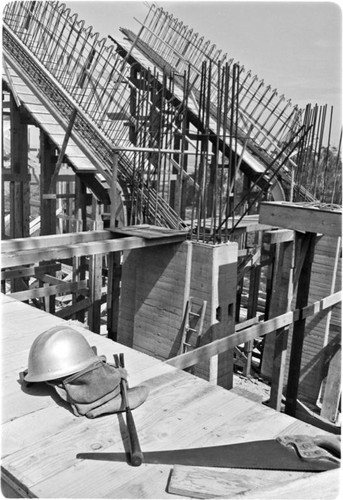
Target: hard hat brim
[{"x": 53, "y": 375}]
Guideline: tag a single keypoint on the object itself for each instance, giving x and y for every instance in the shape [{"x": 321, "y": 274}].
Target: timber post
[
  {"x": 308, "y": 242},
  {"x": 95, "y": 278},
  {"x": 79, "y": 263},
  {"x": 114, "y": 262}
]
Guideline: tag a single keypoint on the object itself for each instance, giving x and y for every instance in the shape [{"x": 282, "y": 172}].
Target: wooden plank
[
  {"x": 95, "y": 283},
  {"x": 301, "y": 217},
  {"x": 321, "y": 305},
  {"x": 208, "y": 482},
  {"x": 147, "y": 231},
  {"x": 254, "y": 287},
  {"x": 30, "y": 271},
  {"x": 335, "y": 281},
  {"x": 47, "y": 459},
  {"x": 263, "y": 328},
  {"x": 278, "y": 236},
  {"x": 283, "y": 293},
  {"x": 48, "y": 207},
  {"x": 48, "y": 241},
  {"x": 8, "y": 176},
  {"x": 299, "y": 325},
  {"x": 248, "y": 322},
  {"x": 35, "y": 293},
  {"x": 306, "y": 415},
  {"x": 69, "y": 311},
  {"x": 324, "y": 485},
  {"x": 89, "y": 248},
  {"x": 229, "y": 342},
  {"x": 52, "y": 187},
  {"x": 332, "y": 393},
  {"x": 51, "y": 280},
  {"x": 46, "y": 105},
  {"x": 19, "y": 191},
  {"x": 11, "y": 488},
  {"x": 113, "y": 293}
]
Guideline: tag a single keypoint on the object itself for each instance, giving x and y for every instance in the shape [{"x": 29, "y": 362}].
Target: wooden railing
[
  {"x": 254, "y": 328},
  {"x": 252, "y": 332}
]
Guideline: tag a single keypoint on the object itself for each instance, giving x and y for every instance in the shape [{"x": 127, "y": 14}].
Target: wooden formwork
[
  {"x": 156, "y": 285},
  {"x": 306, "y": 271}
]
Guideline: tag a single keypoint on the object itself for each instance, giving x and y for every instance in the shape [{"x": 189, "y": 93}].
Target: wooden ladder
[{"x": 188, "y": 332}]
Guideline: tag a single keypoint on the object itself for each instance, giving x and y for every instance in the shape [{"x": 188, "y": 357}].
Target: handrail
[{"x": 219, "y": 346}]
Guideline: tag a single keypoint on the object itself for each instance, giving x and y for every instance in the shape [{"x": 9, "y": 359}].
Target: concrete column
[{"x": 214, "y": 278}]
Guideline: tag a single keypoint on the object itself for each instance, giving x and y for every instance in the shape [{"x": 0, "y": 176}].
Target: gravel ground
[{"x": 252, "y": 387}]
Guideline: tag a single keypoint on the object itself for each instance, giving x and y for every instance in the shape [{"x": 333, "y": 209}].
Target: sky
[{"x": 295, "y": 47}]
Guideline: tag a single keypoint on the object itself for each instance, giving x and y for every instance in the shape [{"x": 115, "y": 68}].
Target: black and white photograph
[{"x": 171, "y": 249}]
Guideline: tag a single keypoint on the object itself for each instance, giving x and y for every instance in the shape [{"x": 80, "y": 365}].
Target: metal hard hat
[{"x": 58, "y": 352}]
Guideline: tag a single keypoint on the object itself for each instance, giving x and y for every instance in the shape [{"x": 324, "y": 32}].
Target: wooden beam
[
  {"x": 88, "y": 248},
  {"x": 8, "y": 176},
  {"x": 320, "y": 305},
  {"x": 50, "y": 280},
  {"x": 301, "y": 217},
  {"x": 29, "y": 271},
  {"x": 47, "y": 291},
  {"x": 79, "y": 263},
  {"x": 268, "y": 258},
  {"x": 95, "y": 279},
  {"x": 113, "y": 190},
  {"x": 113, "y": 294},
  {"x": 69, "y": 311},
  {"x": 52, "y": 187},
  {"x": 12, "y": 88},
  {"x": 218, "y": 346},
  {"x": 283, "y": 293},
  {"x": 279, "y": 236},
  {"x": 48, "y": 241},
  {"x": 60, "y": 196},
  {"x": 254, "y": 286},
  {"x": 229, "y": 342},
  {"x": 19, "y": 191},
  {"x": 98, "y": 189},
  {"x": 299, "y": 326},
  {"x": 47, "y": 165},
  {"x": 249, "y": 322}
]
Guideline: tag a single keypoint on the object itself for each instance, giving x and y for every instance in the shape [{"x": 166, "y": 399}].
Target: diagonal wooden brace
[{"x": 62, "y": 151}]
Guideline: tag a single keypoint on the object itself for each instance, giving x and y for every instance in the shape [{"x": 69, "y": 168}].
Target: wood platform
[{"x": 41, "y": 437}]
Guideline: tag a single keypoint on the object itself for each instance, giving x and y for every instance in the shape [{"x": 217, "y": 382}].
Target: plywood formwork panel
[
  {"x": 154, "y": 284},
  {"x": 159, "y": 301}
]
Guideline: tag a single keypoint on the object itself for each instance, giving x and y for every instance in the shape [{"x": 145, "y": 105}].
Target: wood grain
[{"x": 41, "y": 436}]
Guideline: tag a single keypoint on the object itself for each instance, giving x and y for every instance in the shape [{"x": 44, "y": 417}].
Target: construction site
[{"x": 163, "y": 202}]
